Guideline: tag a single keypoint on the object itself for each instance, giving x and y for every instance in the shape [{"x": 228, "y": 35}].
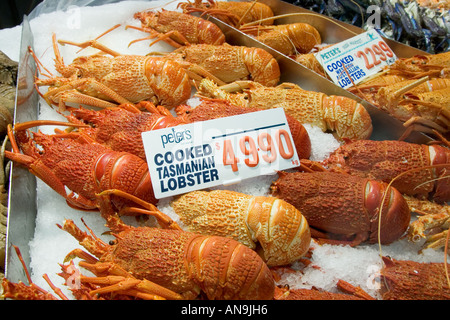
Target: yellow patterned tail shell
[{"x": 276, "y": 229}]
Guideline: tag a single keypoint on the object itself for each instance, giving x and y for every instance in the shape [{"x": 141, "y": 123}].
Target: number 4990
[{"x": 271, "y": 147}]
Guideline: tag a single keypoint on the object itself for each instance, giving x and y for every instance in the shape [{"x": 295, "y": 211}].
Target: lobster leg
[
  {"x": 124, "y": 282},
  {"x": 422, "y": 125},
  {"x": 164, "y": 220},
  {"x": 198, "y": 73},
  {"x": 20, "y": 291},
  {"x": 130, "y": 286},
  {"x": 70, "y": 94},
  {"x": 91, "y": 43},
  {"x": 179, "y": 40}
]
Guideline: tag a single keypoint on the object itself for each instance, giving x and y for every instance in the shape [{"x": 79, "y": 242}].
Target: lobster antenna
[
  {"x": 299, "y": 14},
  {"x": 161, "y": 6},
  {"x": 410, "y": 86},
  {"x": 246, "y": 12},
  {"x": 149, "y": 208},
  {"x": 382, "y": 204},
  {"x": 445, "y": 257},
  {"x": 104, "y": 33},
  {"x": 39, "y": 64},
  {"x": 442, "y": 138}
]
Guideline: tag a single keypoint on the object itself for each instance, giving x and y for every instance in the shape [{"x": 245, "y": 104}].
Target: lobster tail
[
  {"x": 125, "y": 172},
  {"x": 262, "y": 66},
  {"x": 347, "y": 117},
  {"x": 281, "y": 230},
  {"x": 209, "y": 33},
  {"x": 226, "y": 269},
  {"x": 173, "y": 87}
]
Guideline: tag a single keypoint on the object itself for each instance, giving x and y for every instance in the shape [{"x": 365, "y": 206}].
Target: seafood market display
[
  {"x": 420, "y": 106},
  {"x": 354, "y": 219}
]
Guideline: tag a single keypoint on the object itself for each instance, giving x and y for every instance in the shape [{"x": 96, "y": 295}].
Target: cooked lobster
[{"x": 346, "y": 208}]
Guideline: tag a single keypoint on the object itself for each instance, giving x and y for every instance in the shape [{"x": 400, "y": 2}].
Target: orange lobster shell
[
  {"x": 120, "y": 128},
  {"x": 177, "y": 28},
  {"x": 181, "y": 264},
  {"x": 410, "y": 280},
  {"x": 344, "y": 207},
  {"x": 288, "y": 39},
  {"x": 83, "y": 166},
  {"x": 225, "y": 63},
  {"x": 234, "y": 13}
]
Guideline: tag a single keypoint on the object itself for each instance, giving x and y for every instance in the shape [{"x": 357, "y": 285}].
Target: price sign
[
  {"x": 218, "y": 152},
  {"x": 356, "y": 58}
]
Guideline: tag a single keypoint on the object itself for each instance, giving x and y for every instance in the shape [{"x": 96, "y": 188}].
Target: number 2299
[{"x": 378, "y": 52}]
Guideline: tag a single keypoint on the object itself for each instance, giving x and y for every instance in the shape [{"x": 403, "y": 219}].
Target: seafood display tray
[{"x": 22, "y": 198}]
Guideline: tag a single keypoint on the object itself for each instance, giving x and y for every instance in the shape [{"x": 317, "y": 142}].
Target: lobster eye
[{"x": 112, "y": 242}]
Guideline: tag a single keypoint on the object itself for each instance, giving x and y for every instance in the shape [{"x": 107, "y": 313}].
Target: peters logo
[{"x": 175, "y": 136}]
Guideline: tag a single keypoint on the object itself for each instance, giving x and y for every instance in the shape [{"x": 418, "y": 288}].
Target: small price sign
[
  {"x": 355, "y": 59},
  {"x": 218, "y": 152}
]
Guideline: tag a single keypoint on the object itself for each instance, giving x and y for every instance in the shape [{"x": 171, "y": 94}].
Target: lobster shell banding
[
  {"x": 276, "y": 226},
  {"x": 345, "y": 207}
]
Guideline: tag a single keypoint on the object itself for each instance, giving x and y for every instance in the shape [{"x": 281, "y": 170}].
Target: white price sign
[
  {"x": 356, "y": 58},
  {"x": 218, "y": 152}
]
